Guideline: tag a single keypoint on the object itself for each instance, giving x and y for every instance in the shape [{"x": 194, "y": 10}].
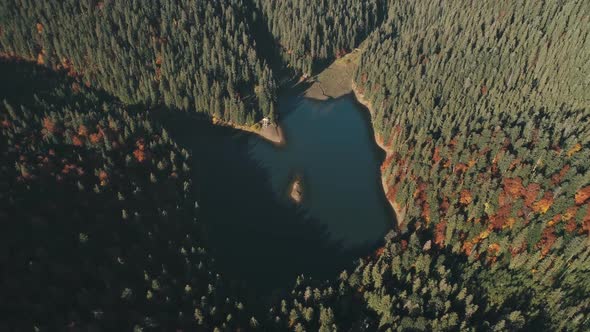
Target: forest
[{"x": 483, "y": 110}]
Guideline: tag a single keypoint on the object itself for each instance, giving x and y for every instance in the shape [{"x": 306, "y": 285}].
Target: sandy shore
[{"x": 272, "y": 133}]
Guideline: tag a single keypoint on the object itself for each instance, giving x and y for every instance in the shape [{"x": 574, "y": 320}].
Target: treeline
[
  {"x": 412, "y": 285},
  {"x": 191, "y": 55},
  {"x": 311, "y": 33},
  {"x": 99, "y": 224},
  {"x": 210, "y": 57}
]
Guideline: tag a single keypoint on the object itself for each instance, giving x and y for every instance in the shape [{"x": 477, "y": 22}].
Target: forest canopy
[{"x": 483, "y": 109}]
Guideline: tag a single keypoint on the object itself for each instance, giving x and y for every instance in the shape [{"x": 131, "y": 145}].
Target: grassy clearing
[{"x": 336, "y": 80}]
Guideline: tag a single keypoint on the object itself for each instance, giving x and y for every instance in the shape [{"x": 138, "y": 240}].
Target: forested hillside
[
  {"x": 483, "y": 107},
  {"x": 192, "y": 55},
  {"x": 100, "y": 228},
  {"x": 486, "y": 114},
  {"x": 311, "y": 33},
  {"x": 490, "y": 144}
]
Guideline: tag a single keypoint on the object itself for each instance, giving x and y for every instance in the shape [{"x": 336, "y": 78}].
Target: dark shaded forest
[
  {"x": 484, "y": 110},
  {"x": 100, "y": 226}
]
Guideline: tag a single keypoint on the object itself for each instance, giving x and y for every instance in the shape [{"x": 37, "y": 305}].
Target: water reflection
[
  {"x": 330, "y": 143},
  {"x": 260, "y": 239}
]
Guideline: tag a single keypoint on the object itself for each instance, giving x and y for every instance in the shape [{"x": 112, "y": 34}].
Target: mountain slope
[
  {"x": 99, "y": 223},
  {"x": 198, "y": 56}
]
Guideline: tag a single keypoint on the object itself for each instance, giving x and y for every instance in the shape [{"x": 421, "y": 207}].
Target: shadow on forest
[{"x": 259, "y": 240}]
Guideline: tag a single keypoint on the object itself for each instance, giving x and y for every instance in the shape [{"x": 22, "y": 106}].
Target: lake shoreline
[
  {"x": 333, "y": 82},
  {"x": 272, "y": 133},
  {"x": 330, "y": 167},
  {"x": 361, "y": 99},
  {"x": 337, "y": 80}
]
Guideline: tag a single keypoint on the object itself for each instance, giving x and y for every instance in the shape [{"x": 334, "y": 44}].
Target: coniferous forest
[{"x": 482, "y": 110}]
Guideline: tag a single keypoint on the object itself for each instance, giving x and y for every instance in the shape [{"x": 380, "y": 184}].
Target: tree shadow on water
[{"x": 259, "y": 240}]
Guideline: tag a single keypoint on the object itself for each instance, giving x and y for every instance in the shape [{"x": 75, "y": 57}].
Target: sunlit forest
[{"x": 482, "y": 110}]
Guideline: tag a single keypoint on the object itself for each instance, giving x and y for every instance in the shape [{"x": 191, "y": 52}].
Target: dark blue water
[
  {"x": 330, "y": 145},
  {"x": 260, "y": 239}
]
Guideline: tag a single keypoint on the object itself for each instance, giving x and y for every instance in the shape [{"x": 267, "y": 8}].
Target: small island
[{"x": 296, "y": 190}]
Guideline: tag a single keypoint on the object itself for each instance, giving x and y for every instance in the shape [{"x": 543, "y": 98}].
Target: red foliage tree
[
  {"x": 530, "y": 194},
  {"x": 466, "y": 197},
  {"x": 467, "y": 247},
  {"x": 582, "y": 195},
  {"x": 49, "y": 125},
  {"x": 513, "y": 186},
  {"x": 484, "y": 90},
  {"x": 436, "y": 155},
  {"x": 500, "y": 218},
  {"x": 493, "y": 252},
  {"x": 439, "y": 233},
  {"x": 83, "y": 131},
  {"x": 139, "y": 155},
  {"x": 76, "y": 141},
  {"x": 548, "y": 238},
  {"x": 95, "y": 138},
  {"x": 571, "y": 226},
  {"x": 557, "y": 177},
  {"x": 103, "y": 176},
  {"x": 404, "y": 244},
  {"x": 379, "y": 252}
]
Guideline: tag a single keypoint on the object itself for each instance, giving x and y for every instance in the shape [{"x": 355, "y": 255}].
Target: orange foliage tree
[
  {"x": 83, "y": 131},
  {"x": 77, "y": 141},
  {"x": 139, "y": 155},
  {"x": 103, "y": 176},
  {"x": 439, "y": 233},
  {"x": 582, "y": 195},
  {"x": 95, "y": 138},
  {"x": 49, "y": 125},
  {"x": 466, "y": 197},
  {"x": 548, "y": 238},
  {"x": 543, "y": 205},
  {"x": 513, "y": 186}
]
